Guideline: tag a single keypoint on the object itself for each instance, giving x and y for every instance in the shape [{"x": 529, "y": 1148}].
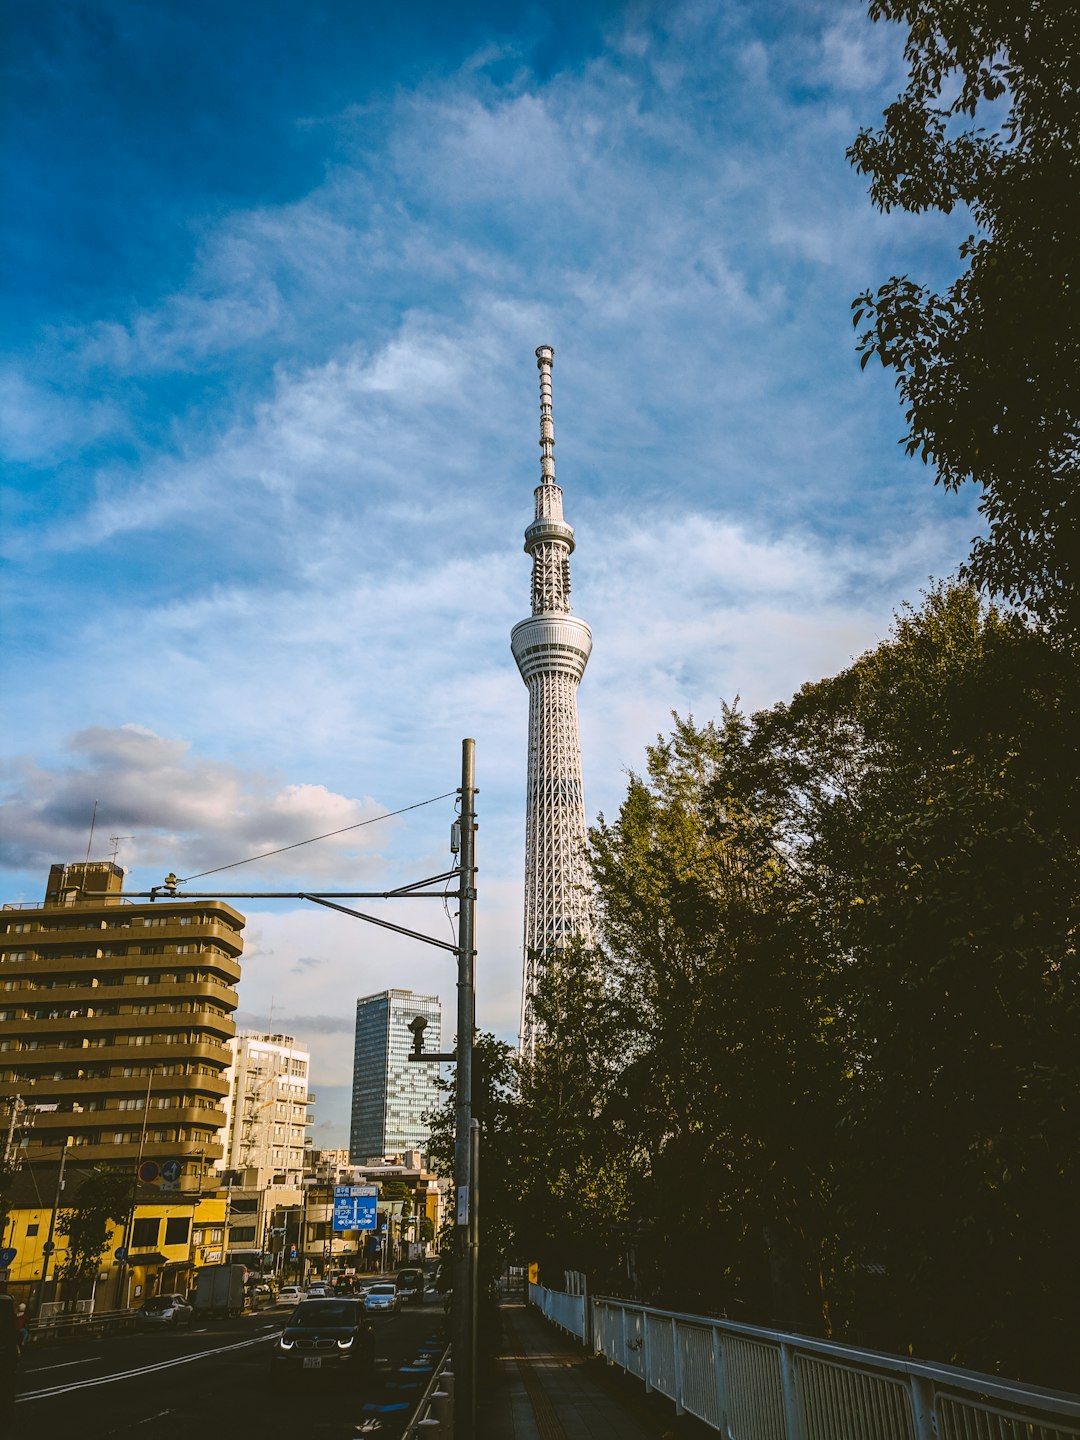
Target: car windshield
[
  {"x": 163, "y": 1302},
  {"x": 324, "y": 1312},
  {"x": 381, "y": 1290}
]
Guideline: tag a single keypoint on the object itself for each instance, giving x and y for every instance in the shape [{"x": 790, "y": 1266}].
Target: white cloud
[{"x": 173, "y": 809}]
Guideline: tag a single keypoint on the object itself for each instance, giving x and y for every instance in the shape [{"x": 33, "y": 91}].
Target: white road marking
[
  {"x": 133, "y": 1374},
  {"x": 38, "y": 1369}
]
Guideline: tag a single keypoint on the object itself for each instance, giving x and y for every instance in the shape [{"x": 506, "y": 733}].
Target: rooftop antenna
[
  {"x": 115, "y": 842},
  {"x": 90, "y": 842}
]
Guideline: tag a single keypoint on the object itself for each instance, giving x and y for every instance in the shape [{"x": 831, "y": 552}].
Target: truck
[{"x": 219, "y": 1290}]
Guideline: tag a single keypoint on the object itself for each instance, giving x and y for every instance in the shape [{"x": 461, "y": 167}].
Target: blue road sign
[
  {"x": 355, "y": 1207},
  {"x": 6, "y": 1257},
  {"x": 121, "y": 1252},
  {"x": 171, "y": 1170}
]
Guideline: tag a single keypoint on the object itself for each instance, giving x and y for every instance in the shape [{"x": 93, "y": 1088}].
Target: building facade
[
  {"x": 267, "y": 1108},
  {"x": 552, "y": 648},
  {"x": 115, "y": 1022},
  {"x": 391, "y": 1096},
  {"x": 169, "y": 1236}
]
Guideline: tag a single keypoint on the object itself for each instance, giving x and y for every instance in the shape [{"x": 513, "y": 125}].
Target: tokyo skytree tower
[{"x": 551, "y": 649}]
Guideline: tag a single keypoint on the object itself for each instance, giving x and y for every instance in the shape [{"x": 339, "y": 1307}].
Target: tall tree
[
  {"x": 578, "y": 1158},
  {"x": 100, "y": 1202},
  {"x": 989, "y": 371},
  {"x": 731, "y": 1081},
  {"x": 929, "y": 794}
]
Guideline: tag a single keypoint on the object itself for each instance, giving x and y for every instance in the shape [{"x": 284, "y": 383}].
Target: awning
[{"x": 143, "y": 1258}]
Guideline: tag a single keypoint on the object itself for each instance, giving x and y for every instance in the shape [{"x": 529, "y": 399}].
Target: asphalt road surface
[{"x": 214, "y": 1381}]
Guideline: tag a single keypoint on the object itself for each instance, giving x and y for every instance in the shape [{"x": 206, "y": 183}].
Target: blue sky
[{"x": 268, "y": 415}]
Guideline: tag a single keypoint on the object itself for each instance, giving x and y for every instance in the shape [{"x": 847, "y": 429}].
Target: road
[{"x": 214, "y": 1380}]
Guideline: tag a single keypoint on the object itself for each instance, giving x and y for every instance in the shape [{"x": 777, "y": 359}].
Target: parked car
[
  {"x": 318, "y": 1291},
  {"x": 382, "y": 1297},
  {"x": 331, "y": 1334},
  {"x": 166, "y": 1312},
  {"x": 289, "y": 1295}
]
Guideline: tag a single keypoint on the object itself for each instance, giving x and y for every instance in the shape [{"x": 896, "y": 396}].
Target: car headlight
[
  {"x": 344, "y": 1344},
  {"x": 286, "y": 1344}
]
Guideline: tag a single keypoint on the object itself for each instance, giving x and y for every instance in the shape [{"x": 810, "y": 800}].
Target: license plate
[{"x": 312, "y": 1362}]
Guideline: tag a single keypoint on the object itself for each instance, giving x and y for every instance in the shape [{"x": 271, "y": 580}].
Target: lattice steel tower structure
[{"x": 552, "y": 649}]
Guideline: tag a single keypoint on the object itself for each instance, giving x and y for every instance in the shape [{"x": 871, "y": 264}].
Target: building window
[
  {"x": 242, "y": 1235},
  {"x": 144, "y": 1234},
  {"x": 177, "y": 1229},
  {"x": 32, "y": 1230}
]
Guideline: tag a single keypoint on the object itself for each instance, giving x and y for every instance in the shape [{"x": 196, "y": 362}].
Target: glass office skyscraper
[{"x": 391, "y": 1096}]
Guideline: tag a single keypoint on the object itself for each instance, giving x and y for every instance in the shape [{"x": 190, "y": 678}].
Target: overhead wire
[{"x": 266, "y": 854}]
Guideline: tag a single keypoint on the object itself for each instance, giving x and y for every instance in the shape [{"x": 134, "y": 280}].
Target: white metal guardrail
[
  {"x": 755, "y": 1384},
  {"x": 568, "y": 1312}
]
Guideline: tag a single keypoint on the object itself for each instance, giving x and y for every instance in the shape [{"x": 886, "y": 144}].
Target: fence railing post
[
  {"x": 922, "y": 1408},
  {"x": 676, "y": 1350},
  {"x": 793, "y": 1416},
  {"x": 723, "y": 1404},
  {"x": 646, "y": 1350}
]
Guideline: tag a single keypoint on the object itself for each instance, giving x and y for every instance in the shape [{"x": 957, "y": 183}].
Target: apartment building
[{"x": 115, "y": 1022}]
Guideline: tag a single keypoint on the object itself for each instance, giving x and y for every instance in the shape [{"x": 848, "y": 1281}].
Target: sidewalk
[{"x": 547, "y": 1388}]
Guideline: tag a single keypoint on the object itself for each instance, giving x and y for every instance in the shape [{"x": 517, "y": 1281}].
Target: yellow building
[{"x": 172, "y": 1235}]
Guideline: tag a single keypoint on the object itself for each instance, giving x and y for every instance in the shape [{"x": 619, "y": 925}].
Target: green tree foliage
[
  {"x": 988, "y": 370},
  {"x": 929, "y": 795},
  {"x": 828, "y": 1071},
  {"x": 579, "y": 1156},
  {"x": 101, "y": 1201},
  {"x": 711, "y": 948},
  {"x": 494, "y": 1086}
]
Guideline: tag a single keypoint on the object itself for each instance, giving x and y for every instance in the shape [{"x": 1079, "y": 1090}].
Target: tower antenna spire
[{"x": 552, "y": 648}]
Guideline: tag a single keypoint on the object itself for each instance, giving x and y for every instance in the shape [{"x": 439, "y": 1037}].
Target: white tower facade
[{"x": 552, "y": 648}]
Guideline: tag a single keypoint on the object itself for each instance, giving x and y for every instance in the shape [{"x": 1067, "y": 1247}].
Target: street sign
[
  {"x": 171, "y": 1171},
  {"x": 356, "y": 1207},
  {"x": 6, "y": 1257},
  {"x": 121, "y": 1252},
  {"x": 149, "y": 1171}
]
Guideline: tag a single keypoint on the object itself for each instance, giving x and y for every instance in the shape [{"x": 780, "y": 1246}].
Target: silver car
[
  {"x": 165, "y": 1312},
  {"x": 382, "y": 1297}
]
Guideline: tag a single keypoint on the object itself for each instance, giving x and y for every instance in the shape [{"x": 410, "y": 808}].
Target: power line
[{"x": 329, "y": 835}]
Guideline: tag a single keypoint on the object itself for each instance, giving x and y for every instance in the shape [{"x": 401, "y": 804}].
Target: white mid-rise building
[{"x": 267, "y": 1109}]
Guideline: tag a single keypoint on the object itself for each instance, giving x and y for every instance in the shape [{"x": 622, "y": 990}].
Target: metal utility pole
[
  {"x": 463, "y": 1311},
  {"x": 49, "y": 1246},
  {"x": 466, "y": 1233}
]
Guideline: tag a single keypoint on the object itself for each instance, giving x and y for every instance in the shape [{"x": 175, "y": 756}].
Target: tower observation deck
[{"x": 551, "y": 648}]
